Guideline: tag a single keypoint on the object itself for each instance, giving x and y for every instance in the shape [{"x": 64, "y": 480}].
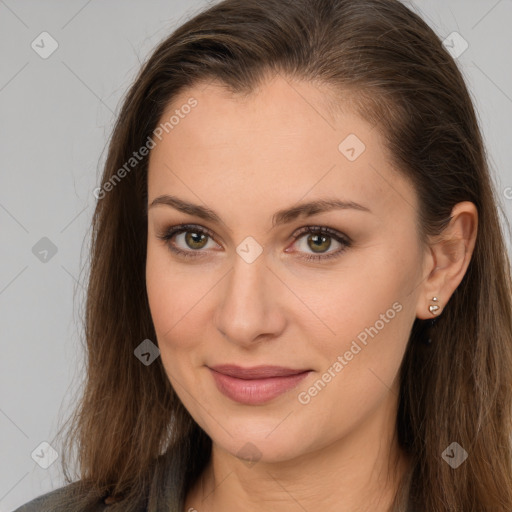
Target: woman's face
[{"x": 245, "y": 293}]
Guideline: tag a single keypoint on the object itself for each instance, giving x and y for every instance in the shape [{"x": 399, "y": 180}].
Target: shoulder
[
  {"x": 37, "y": 503},
  {"x": 49, "y": 502}
]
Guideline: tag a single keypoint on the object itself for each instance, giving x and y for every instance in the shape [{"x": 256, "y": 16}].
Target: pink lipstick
[{"x": 256, "y": 385}]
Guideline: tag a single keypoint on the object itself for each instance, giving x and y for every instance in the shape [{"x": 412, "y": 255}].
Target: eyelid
[
  {"x": 322, "y": 230},
  {"x": 340, "y": 237},
  {"x": 177, "y": 229}
]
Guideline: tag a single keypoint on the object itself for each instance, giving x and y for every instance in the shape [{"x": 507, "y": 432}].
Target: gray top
[
  {"x": 42, "y": 503},
  {"x": 164, "y": 495}
]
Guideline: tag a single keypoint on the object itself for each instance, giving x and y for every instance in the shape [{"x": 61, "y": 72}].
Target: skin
[{"x": 246, "y": 157}]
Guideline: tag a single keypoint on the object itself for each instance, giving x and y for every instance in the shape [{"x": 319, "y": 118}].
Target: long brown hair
[{"x": 401, "y": 79}]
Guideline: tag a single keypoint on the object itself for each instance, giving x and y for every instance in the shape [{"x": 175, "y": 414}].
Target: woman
[{"x": 299, "y": 294}]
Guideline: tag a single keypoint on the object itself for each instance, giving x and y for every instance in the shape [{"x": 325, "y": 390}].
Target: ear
[{"x": 447, "y": 260}]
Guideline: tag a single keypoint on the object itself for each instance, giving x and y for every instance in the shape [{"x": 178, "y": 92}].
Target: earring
[
  {"x": 435, "y": 307},
  {"x": 427, "y": 333}
]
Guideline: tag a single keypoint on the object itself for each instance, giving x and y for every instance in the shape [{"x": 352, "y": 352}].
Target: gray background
[{"x": 57, "y": 114}]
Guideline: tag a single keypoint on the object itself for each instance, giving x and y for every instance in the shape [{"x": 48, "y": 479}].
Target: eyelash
[{"x": 314, "y": 230}]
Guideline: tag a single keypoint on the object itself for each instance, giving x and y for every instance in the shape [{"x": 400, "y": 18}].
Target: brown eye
[
  {"x": 319, "y": 241},
  {"x": 195, "y": 240},
  {"x": 187, "y": 240}
]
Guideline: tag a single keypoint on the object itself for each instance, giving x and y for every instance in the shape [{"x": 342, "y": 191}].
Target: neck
[{"x": 358, "y": 473}]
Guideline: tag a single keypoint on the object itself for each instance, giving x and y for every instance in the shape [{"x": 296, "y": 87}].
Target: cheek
[
  {"x": 369, "y": 311},
  {"x": 368, "y": 293},
  {"x": 170, "y": 295},
  {"x": 360, "y": 362},
  {"x": 176, "y": 296}
]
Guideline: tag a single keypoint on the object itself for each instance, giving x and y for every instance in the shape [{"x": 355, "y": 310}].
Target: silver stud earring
[{"x": 435, "y": 307}]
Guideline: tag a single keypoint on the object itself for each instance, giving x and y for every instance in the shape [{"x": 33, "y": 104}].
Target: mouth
[
  {"x": 256, "y": 385},
  {"x": 256, "y": 372}
]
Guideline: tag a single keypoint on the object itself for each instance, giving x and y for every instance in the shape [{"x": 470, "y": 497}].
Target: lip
[
  {"x": 256, "y": 372},
  {"x": 256, "y": 385}
]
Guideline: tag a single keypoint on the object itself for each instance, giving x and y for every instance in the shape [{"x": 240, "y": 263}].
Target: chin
[{"x": 252, "y": 445}]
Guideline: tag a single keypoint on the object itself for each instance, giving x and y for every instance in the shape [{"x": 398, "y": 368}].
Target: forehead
[{"x": 276, "y": 144}]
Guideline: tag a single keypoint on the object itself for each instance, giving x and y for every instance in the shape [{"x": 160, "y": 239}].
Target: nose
[{"x": 248, "y": 311}]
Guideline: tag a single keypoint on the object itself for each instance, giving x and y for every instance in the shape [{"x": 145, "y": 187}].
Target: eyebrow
[{"x": 280, "y": 217}]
